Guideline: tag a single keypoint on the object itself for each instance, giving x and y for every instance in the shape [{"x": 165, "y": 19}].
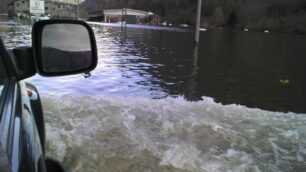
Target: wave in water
[{"x": 172, "y": 134}]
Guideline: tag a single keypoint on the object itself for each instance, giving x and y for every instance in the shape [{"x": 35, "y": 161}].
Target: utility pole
[
  {"x": 78, "y": 9},
  {"x": 198, "y": 20}
]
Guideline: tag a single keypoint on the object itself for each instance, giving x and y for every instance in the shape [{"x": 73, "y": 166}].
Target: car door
[
  {"x": 4, "y": 160},
  {"x": 20, "y": 147}
]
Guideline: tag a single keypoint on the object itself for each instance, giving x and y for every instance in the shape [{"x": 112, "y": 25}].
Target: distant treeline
[{"x": 278, "y": 15}]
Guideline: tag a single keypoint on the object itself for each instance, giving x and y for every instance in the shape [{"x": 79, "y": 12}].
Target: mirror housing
[
  {"x": 24, "y": 62},
  {"x": 63, "y": 47}
]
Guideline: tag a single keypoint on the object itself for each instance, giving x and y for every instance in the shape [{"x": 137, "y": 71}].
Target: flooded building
[
  {"x": 130, "y": 16},
  {"x": 52, "y": 8},
  {"x": 60, "y": 10},
  {"x": 96, "y": 16},
  {"x": 127, "y": 15},
  {"x": 3, "y": 17},
  {"x": 10, "y": 10},
  {"x": 19, "y": 8}
]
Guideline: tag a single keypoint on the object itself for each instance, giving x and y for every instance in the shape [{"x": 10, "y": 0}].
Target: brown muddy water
[{"x": 151, "y": 105}]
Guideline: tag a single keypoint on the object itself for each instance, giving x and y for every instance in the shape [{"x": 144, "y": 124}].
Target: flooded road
[
  {"x": 134, "y": 113},
  {"x": 254, "y": 69}
]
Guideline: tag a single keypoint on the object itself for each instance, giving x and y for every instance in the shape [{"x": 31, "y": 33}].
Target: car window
[
  {"x": 1, "y": 88},
  {"x": 1, "y": 102},
  {"x": 3, "y": 75},
  {"x": 3, "y": 80}
]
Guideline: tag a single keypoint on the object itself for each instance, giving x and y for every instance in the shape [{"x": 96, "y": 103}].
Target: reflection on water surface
[{"x": 246, "y": 68}]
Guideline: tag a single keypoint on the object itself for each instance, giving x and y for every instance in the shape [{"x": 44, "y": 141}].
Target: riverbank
[{"x": 290, "y": 24}]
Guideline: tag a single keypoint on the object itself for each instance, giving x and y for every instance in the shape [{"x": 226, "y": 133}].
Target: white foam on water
[{"x": 171, "y": 134}]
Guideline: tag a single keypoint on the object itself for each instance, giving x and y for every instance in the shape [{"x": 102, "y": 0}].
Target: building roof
[{"x": 126, "y": 11}]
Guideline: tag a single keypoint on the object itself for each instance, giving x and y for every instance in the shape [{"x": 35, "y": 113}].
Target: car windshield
[{"x": 180, "y": 85}]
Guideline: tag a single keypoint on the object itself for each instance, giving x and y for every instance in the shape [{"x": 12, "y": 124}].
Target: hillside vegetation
[{"x": 275, "y": 15}]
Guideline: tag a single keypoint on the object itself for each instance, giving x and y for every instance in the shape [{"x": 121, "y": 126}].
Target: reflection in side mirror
[{"x": 64, "y": 47}]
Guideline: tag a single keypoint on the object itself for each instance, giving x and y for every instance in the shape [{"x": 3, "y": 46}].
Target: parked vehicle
[{"x": 56, "y": 50}]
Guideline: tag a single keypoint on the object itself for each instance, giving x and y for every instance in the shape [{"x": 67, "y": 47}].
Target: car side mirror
[{"x": 63, "y": 47}]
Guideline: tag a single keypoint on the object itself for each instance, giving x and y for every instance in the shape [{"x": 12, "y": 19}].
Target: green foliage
[
  {"x": 284, "y": 82},
  {"x": 218, "y": 17}
]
